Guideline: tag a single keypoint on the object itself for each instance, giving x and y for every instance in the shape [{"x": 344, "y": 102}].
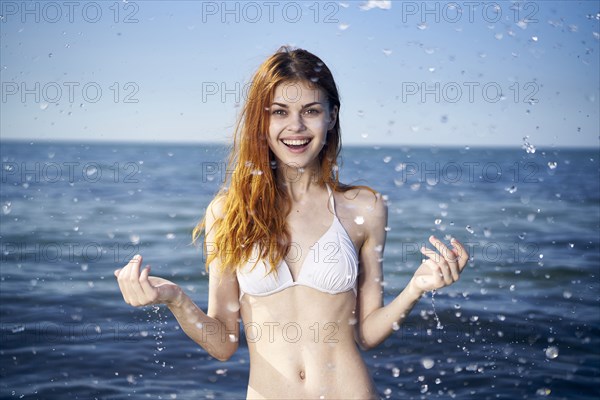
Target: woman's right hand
[{"x": 140, "y": 289}]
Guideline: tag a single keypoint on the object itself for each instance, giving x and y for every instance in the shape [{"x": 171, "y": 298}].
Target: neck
[{"x": 298, "y": 181}]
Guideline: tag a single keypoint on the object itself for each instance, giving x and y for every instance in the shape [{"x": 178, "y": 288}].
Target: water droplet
[
  {"x": 91, "y": 171},
  {"x": 567, "y": 295},
  {"x": 552, "y": 352},
  {"x": 43, "y": 106},
  {"x": 359, "y": 220},
  {"x": 534, "y": 38},
  {"x": 444, "y": 119},
  {"x": 18, "y": 329},
  {"x": 422, "y": 26},
  {"x": 469, "y": 229},
  {"x": 529, "y": 148},
  {"x": 512, "y": 189},
  {"x": 134, "y": 239},
  {"x": 84, "y": 267},
  {"x": 487, "y": 232},
  {"x": 438, "y": 221},
  {"x": 543, "y": 392},
  {"x": 6, "y": 207},
  {"x": 432, "y": 180},
  {"x": 233, "y": 306},
  {"x": 427, "y": 363},
  {"x": 387, "y": 159},
  {"x": 387, "y": 52},
  {"x": 552, "y": 164},
  {"x": 170, "y": 236},
  {"x": 424, "y": 388},
  {"x": 522, "y": 24},
  {"x": 50, "y": 55},
  {"x": 343, "y": 27},
  {"x": 395, "y": 372}
]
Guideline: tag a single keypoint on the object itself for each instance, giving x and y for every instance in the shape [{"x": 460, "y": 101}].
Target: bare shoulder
[
  {"x": 363, "y": 212},
  {"x": 360, "y": 201},
  {"x": 215, "y": 210}
]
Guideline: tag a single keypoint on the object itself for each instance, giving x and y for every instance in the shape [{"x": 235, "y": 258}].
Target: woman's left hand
[{"x": 441, "y": 268}]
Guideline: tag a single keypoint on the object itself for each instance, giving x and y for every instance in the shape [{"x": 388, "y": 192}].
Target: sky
[{"x": 413, "y": 73}]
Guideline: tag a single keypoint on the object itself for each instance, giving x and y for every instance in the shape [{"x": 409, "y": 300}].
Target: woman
[{"x": 292, "y": 251}]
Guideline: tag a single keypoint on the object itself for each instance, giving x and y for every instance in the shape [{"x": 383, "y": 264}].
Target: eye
[
  {"x": 313, "y": 111},
  {"x": 278, "y": 112}
]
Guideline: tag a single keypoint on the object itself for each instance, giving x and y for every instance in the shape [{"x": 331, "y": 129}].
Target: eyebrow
[{"x": 304, "y": 106}]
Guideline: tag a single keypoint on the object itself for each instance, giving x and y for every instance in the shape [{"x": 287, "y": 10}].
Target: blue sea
[{"x": 522, "y": 323}]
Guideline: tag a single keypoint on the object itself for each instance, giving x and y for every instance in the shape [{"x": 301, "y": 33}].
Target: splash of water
[{"x": 437, "y": 318}]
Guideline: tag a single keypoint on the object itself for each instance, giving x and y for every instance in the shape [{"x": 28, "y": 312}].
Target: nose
[{"x": 296, "y": 124}]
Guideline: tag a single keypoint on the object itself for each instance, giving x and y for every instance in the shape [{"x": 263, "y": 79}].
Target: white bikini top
[{"x": 330, "y": 267}]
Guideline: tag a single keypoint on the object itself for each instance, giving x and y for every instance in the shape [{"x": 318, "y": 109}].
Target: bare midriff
[{"x": 302, "y": 346}]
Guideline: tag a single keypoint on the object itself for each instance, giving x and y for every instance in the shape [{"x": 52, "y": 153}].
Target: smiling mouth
[{"x": 296, "y": 143}]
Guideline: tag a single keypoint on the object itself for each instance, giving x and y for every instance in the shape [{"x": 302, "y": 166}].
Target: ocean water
[{"x": 522, "y": 323}]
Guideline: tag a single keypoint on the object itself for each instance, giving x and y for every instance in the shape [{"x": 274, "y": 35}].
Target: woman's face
[{"x": 299, "y": 120}]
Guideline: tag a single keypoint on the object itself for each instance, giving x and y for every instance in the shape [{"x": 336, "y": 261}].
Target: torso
[
  {"x": 300, "y": 339},
  {"x": 301, "y": 345}
]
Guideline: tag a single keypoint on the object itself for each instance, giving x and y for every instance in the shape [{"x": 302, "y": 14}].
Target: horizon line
[{"x": 229, "y": 144}]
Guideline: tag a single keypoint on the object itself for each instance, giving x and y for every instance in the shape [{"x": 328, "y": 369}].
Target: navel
[{"x": 302, "y": 375}]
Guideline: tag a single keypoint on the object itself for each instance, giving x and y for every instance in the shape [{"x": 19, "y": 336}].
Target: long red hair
[{"x": 255, "y": 207}]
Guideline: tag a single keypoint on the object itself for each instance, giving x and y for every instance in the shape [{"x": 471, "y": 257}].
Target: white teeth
[{"x": 296, "y": 142}]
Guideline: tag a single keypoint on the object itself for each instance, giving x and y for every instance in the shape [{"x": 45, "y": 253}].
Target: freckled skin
[{"x": 303, "y": 343}]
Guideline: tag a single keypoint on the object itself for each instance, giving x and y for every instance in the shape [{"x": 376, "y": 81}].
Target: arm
[
  {"x": 216, "y": 331},
  {"x": 439, "y": 270}
]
